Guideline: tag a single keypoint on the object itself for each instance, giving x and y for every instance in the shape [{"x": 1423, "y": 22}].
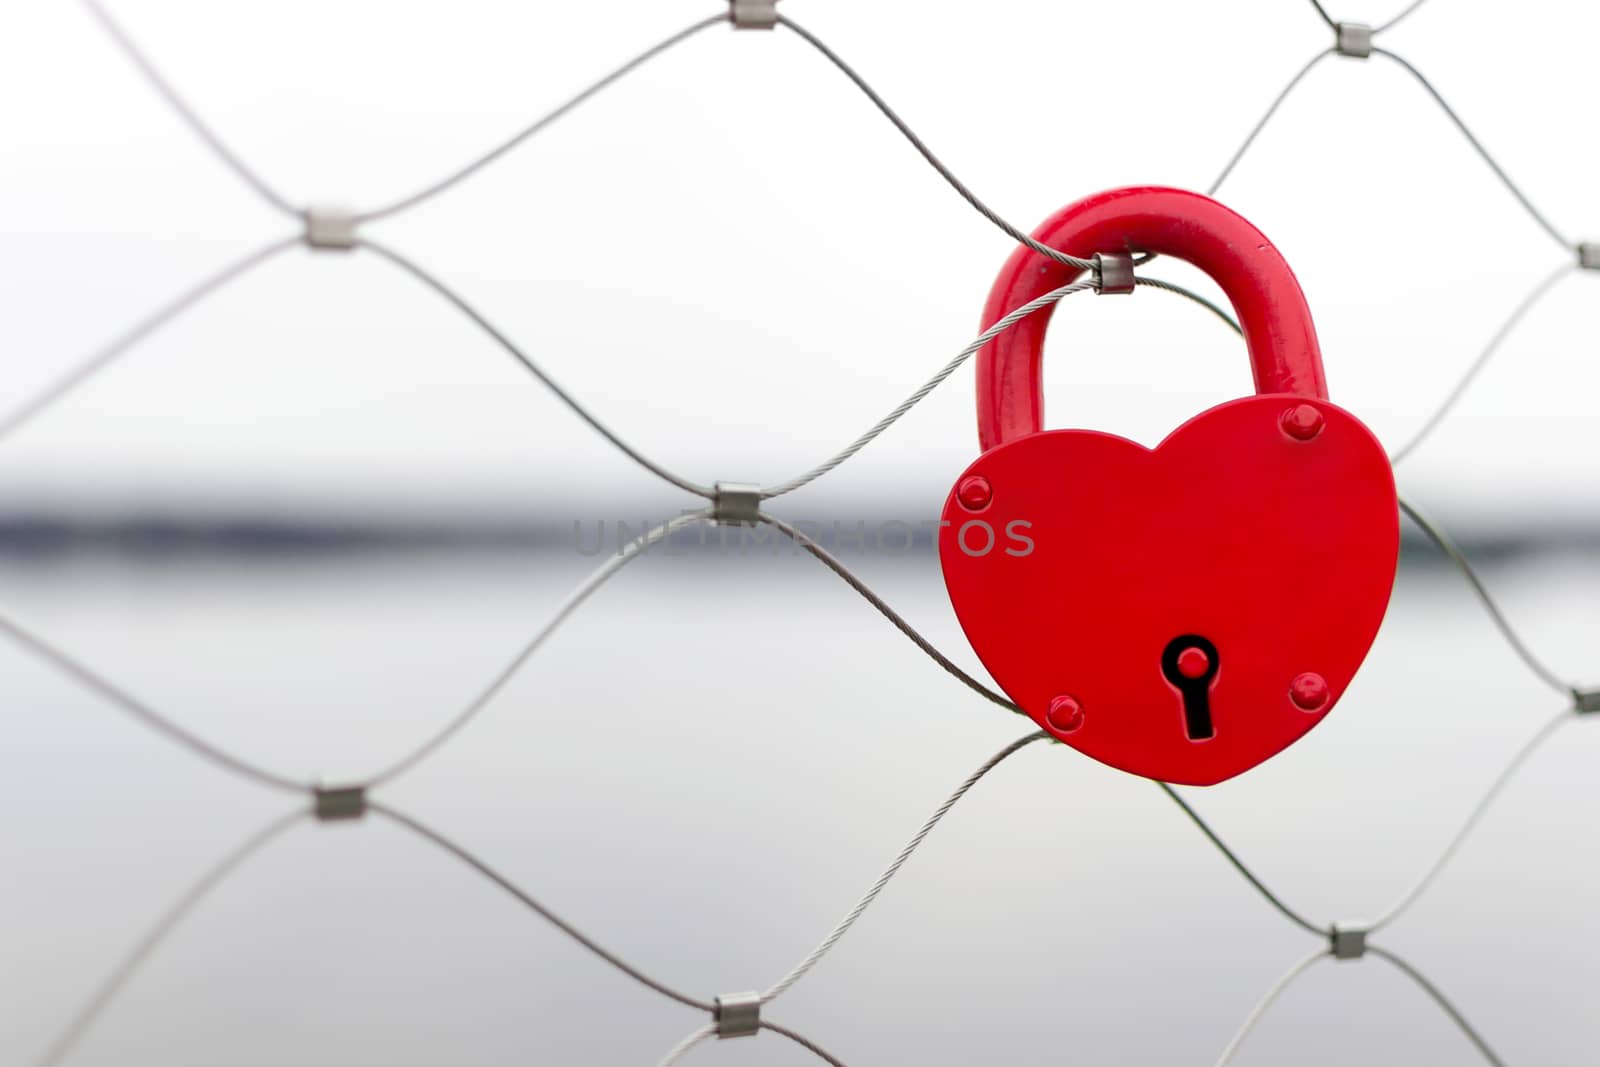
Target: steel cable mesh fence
[{"x": 744, "y": 1014}]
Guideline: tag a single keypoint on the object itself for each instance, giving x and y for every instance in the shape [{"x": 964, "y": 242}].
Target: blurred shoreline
[{"x": 40, "y": 535}]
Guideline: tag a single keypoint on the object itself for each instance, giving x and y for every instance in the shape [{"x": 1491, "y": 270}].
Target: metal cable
[
  {"x": 1478, "y": 364},
  {"x": 185, "y": 112},
  {"x": 1255, "y": 132},
  {"x": 1011, "y": 319},
  {"x": 1268, "y": 895},
  {"x": 1323, "y": 12},
  {"x": 1505, "y": 179},
  {"x": 1471, "y": 824},
  {"x": 1271, "y": 996},
  {"x": 1276, "y": 103},
  {"x": 549, "y": 916},
  {"x": 827, "y": 943},
  {"x": 1173, "y": 287},
  {"x": 927, "y": 153},
  {"x": 103, "y": 358},
  {"x": 137, "y": 708},
  {"x": 1440, "y": 538},
  {"x": 705, "y": 1032},
  {"x": 527, "y": 362},
  {"x": 682, "y": 1047},
  {"x": 1441, "y": 1000},
  {"x": 804, "y": 1042},
  {"x": 889, "y": 613},
  {"x": 599, "y": 577},
  {"x": 1392, "y": 22},
  {"x": 463, "y": 173},
  {"x": 153, "y": 939}
]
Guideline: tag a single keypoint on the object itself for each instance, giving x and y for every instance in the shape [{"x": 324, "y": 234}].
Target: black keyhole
[{"x": 1191, "y": 676}]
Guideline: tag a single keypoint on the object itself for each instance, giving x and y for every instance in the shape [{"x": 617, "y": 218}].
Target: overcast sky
[{"x": 735, "y": 260}]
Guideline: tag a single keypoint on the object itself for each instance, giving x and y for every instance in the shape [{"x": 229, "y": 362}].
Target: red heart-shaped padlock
[{"x": 1188, "y": 611}]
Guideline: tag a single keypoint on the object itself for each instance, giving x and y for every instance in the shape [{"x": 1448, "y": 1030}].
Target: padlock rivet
[
  {"x": 1193, "y": 662},
  {"x": 1065, "y": 714},
  {"x": 1302, "y": 422},
  {"x": 1308, "y": 691},
  {"x": 974, "y": 492}
]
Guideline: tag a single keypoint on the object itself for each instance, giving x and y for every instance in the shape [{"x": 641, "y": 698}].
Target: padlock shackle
[{"x": 1278, "y": 332}]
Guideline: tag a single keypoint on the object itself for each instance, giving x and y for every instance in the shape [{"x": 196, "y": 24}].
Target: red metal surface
[
  {"x": 1266, "y": 525},
  {"x": 1193, "y": 663},
  {"x": 1277, "y": 323}
]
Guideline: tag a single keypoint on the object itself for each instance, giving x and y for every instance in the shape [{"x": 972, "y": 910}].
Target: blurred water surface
[{"x": 703, "y": 770}]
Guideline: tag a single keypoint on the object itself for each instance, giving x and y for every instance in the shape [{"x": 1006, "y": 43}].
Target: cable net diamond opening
[{"x": 709, "y": 1014}]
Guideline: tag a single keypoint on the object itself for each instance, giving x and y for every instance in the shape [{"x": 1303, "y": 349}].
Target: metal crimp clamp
[
  {"x": 1347, "y": 944},
  {"x": 1586, "y": 701},
  {"x": 1113, "y": 272},
  {"x": 330, "y": 227},
  {"x": 1354, "y": 40},
  {"x": 342, "y": 802},
  {"x": 1589, "y": 255},
  {"x": 736, "y": 504},
  {"x": 753, "y": 14},
  {"x": 737, "y": 1014}
]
